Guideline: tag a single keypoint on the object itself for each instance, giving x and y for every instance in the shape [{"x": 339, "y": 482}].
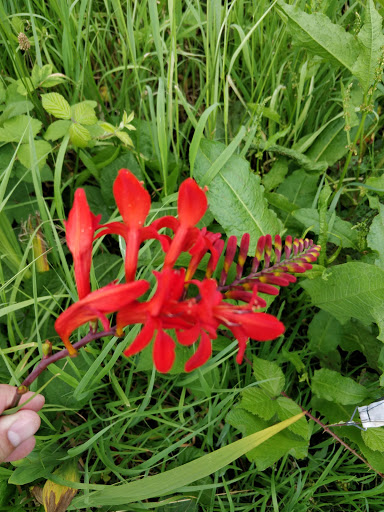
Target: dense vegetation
[{"x": 278, "y": 110}]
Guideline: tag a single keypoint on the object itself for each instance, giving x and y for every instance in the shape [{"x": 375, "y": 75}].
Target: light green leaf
[
  {"x": 2, "y": 92},
  {"x": 334, "y": 387},
  {"x": 257, "y": 401},
  {"x": 169, "y": 481},
  {"x": 57, "y": 129},
  {"x": 375, "y": 238},
  {"x": 42, "y": 150},
  {"x": 285, "y": 409},
  {"x": 317, "y": 34},
  {"x": 84, "y": 113},
  {"x": 340, "y": 232},
  {"x": 55, "y": 104},
  {"x": 17, "y": 128},
  {"x": 281, "y": 202},
  {"x": 352, "y": 289},
  {"x": 235, "y": 195},
  {"x": 79, "y": 135},
  {"x": 125, "y": 138},
  {"x": 15, "y": 108},
  {"x": 371, "y": 41},
  {"x": 374, "y": 439},
  {"x": 39, "y": 74},
  {"x": 269, "y": 376}
]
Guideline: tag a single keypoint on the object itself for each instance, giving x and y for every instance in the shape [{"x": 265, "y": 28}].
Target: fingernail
[{"x": 21, "y": 430}]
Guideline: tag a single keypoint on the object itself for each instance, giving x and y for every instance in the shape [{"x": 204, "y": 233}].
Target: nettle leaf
[
  {"x": 286, "y": 408},
  {"x": 375, "y": 238},
  {"x": 374, "y": 439},
  {"x": 257, "y": 401},
  {"x": 235, "y": 195},
  {"x": 55, "y": 104},
  {"x": 352, "y": 289},
  {"x": 334, "y": 387},
  {"x": 271, "y": 450},
  {"x": 84, "y": 112},
  {"x": 57, "y": 130},
  {"x": 371, "y": 41},
  {"x": 340, "y": 231},
  {"x": 79, "y": 135},
  {"x": 269, "y": 376},
  {"x": 317, "y": 34},
  {"x": 17, "y": 128},
  {"x": 40, "y": 147}
]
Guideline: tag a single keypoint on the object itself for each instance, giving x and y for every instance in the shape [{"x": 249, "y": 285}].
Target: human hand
[{"x": 16, "y": 430}]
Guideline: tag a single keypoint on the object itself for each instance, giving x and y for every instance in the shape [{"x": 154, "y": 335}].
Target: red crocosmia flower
[
  {"x": 157, "y": 315},
  {"x": 134, "y": 203},
  {"x": 206, "y": 242},
  {"x": 191, "y": 206},
  {"x": 80, "y": 229},
  {"x": 95, "y": 306}
]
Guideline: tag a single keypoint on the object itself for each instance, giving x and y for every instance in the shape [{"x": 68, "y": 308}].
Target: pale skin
[{"x": 17, "y": 430}]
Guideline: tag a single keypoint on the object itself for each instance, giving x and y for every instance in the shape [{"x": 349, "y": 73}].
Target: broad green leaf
[
  {"x": 17, "y": 128},
  {"x": 273, "y": 449},
  {"x": 375, "y": 238},
  {"x": 281, "y": 202},
  {"x": 235, "y": 195},
  {"x": 79, "y": 135},
  {"x": 299, "y": 188},
  {"x": 55, "y": 104},
  {"x": 374, "y": 439},
  {"x": 276, "y": 174},
  {"x": 2, "y": 92},
  {"x": 41, "y": 149},
  {"x": 257, "y": 401},
  {"x": 331, "y": 144},
  {"x": 352, "y": 289},
  {"x": 124, "y": 137},
  {"x": 356, "y": 336},
  {"x": 340, "y": 233},
  {"x": 269, "y": 376},
  {"x": 109, "y": 174},
  {"x": 285, "y": 409},
  {"x": 57, "y": 130},
  {"x": 15, "y": 108},
  {"x": 334, "y": 387},
  {"x": 84, "y": 113},
  {"x": 35, "y": 465},
  {"x": 324, "y": 333},
  {"x": 39, "y": 74},
  {"x": 317, "y": 34},
  {"x": 169, "y": 481},
  {"x": 371, "y": 40}
]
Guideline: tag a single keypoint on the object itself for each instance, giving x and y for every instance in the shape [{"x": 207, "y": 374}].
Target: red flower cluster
[{"x": 194, "y": 320}]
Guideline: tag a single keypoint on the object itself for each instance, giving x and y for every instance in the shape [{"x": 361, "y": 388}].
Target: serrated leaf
[
  {"x": 42, "y": 150},
  {"x": 107, "y": 127},
  {"x": 84, "y": 113},
  {"x": 317, "y": 34},
  {"x": 375, "y": 238},
  {"x": 57, "y": 129},
  {"x": 258, "y": 402},
  {"x": 285, "y": 408},
  {"x": 124, "y": 137},
  {"x": 334, "y": 387},
  {"x": 374, "y": 439},
  {"x": 352, "y": 289},
  {"x": 55, "y": 104},
  {"x": 340, "y": 233},
  {"x": 371, "y": 40},
  {"x": 17, "y": 128},
  {"x": 235, "y": 195},
  {"x": 79, "y": 135},
  {"x": 39, "y": 74},
  {"x": 269, "y": 376},
  {"x": 272, "y": 450}
]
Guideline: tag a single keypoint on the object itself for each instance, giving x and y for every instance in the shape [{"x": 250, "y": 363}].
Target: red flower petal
[
  {"x": 202, "y": 354},
  {"x": 142, "y": 340},
  {"x": 192, "y": 203},
  {"x": 163, "y": 352},
  {"x": 132, "y": 200}
]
